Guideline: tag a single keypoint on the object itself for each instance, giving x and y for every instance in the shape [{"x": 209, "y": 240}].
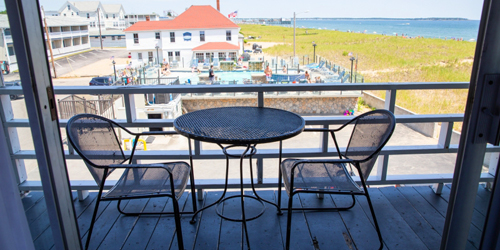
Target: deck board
[
  {"x": 410, "y": 217},
  {"x": 396, "y": 233},
  {"x": 422, "y": 228}
]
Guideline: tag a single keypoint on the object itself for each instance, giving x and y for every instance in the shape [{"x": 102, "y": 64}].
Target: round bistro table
[{"x": 245, "y": 127}]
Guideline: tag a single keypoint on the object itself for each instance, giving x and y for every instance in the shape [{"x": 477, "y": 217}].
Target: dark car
[
  {"x": 14, "y": 83},
  {"x": 101, "y": 81}
]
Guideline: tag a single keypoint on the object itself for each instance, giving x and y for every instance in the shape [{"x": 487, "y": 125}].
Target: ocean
[{"x": 443, "y": 29}]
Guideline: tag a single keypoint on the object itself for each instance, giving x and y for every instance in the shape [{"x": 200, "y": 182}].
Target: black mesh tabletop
[{"x": 239, "y": 125}]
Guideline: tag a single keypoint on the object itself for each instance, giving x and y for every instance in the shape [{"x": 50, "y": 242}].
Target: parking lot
[{"x": 66, "y": 65}]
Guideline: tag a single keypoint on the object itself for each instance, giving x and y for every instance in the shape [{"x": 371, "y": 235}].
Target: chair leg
[
  {"x": 93, "y": 221},
  {"x": 349, "y": 207},
  {"x": 178, "y": 228},
  {"x": 289, "y": 221},
  {"x": 374, "y": 220}
]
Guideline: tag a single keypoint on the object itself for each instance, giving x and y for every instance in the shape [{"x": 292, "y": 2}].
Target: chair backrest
[
  {"x": 94, "y": 139},
  {"x": 371, "y": 132}
]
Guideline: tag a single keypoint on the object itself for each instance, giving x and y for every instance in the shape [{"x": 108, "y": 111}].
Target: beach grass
[{"x": 384, "y": 59}]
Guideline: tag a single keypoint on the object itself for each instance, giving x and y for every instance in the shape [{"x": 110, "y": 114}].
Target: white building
[
  {"x": 111, "y": 16},
  {"x": 131, "y": 19},
  {"x": 200, "y": 32},
  {"x": 67, "y": 35}
]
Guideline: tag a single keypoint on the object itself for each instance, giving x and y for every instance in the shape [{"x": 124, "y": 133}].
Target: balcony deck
[{"x": 410, "y": 217}]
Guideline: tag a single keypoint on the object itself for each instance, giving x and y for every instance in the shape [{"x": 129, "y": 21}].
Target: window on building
[
  {"x": 200, "y": 57},
  {"x": 170, "y": 56},
  {"x": 228, "y": 35},
  {"x": 11, "y": 51},
  {"x": 222, "y": 56},
  {"x": 72, "y": 13},
  {"x": 178, "y": 56},
  {"x": 113, "y": 16},
  {"x": 136, "y": 38},
  {"x": 202, "y": 36},
  {"x": 77, "y": 13},
  {"x": 172, "y": 37},
  {"x": 119, "y": 38},
  {"x": 113, "y": 38},
  {"x": 139, "y": 55},
  {"x": 157, "y": 35},
  {"x": 7, "y": 32},
  {"x": 64, "y": 14},
  {"x": 88, "y": 15},
  {"x": 150, "y": 56},
  {"x": 69, "y": 7},
  {"x": 107, "y": 16},
  {"x": 232, "y": 55}
]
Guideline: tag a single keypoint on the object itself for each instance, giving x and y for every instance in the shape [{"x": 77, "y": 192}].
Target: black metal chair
[
  {"x": 370, "y": 133},
  {"x": 95, "y": 139}
]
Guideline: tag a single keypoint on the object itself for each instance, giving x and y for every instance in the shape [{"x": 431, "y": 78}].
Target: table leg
[
  {"x": 243, "y": 218},
  {"x": 192, "y": 221}
]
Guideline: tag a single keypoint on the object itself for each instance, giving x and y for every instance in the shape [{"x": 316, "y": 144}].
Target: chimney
[{"x": 218, "y": 6}]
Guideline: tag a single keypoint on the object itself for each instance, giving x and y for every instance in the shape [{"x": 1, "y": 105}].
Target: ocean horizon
[{"x": 440, "y": 28}]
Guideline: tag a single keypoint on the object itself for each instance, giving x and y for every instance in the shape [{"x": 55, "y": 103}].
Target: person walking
[{"x": 211, "y": 74}]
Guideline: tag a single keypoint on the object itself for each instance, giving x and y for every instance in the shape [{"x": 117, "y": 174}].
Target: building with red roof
[{"x": 200, "y": 32}]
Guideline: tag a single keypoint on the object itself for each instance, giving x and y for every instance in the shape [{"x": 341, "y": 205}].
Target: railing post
[
  {"x": 129, "y": 107},
  {"x": 260, "y": 99},
  {"x": 383, "y": 162},
  {"x": 324, "y": 140},
  {"x": 390, "y": 100},
  {"x": 260, "y": 170},
  {"x": 445, "y": 134},
  {"x": 492, "y": 167}
]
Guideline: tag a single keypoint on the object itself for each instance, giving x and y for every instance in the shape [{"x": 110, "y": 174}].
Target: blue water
[{"x": 466, "y": 29}]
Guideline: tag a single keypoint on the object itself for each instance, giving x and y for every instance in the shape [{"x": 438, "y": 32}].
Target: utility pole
[
  {"x": 49, "y": 43},
  {"x": 99, "y": 21}
]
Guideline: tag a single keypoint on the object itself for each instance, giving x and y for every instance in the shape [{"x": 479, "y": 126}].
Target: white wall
[{"x": 148, "y": 41}]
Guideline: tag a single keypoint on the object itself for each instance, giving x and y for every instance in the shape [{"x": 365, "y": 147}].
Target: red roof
[
  {"x": 196, "y": 17},
  {"x": 217, "y": 46}
]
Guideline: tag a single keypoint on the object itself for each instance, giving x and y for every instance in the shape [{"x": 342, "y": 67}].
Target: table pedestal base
[
  {"x": 248, "y": 152},
  {"x": 220, "y": 213}
]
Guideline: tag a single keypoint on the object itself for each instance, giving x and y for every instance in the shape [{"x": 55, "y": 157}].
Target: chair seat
[
  {"x": 146, "y": 181},
  {"x": 313, "y": 176}
]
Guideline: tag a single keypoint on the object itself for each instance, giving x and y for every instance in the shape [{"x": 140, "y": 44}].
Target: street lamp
[
  {"x": 114, "y": 68},
  {"x": 352, "y": 62},
  {"x": 294, "y": 14},
  {"x": 314, "y": 55},
  {"x": 157, "y": 55}
]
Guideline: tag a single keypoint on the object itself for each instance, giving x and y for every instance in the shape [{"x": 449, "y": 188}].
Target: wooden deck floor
[{"x": 410, "y": 217}]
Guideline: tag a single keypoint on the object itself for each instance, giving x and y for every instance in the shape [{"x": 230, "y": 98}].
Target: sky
[{"x": 470, "y": 9}]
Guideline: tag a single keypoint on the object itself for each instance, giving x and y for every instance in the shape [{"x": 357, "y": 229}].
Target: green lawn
[{"x": 385, "y": 59}]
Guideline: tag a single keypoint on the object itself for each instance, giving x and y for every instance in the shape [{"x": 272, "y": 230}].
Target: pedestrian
[{"x": 211, "y": 74}]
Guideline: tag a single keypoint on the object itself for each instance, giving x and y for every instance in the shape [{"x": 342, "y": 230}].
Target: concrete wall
[
  {"x": 427, "y": 129},
  {"x": 307, "y": 105}
]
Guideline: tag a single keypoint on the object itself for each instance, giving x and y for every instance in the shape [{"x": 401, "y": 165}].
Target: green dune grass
[{"x": 384, "y": 59}]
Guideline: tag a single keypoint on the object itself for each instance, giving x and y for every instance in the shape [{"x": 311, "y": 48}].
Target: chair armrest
[
  {"x": 140, "y": 166},
  {"x": 349, "y": 161}
]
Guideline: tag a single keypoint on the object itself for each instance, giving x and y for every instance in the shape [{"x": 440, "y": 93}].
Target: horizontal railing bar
[
  {"x": 146, "y": 89},
  {"x": 267, "y": 153},
  {"x": 310, "y": 120},
  {"x": 268, "y": 182}
]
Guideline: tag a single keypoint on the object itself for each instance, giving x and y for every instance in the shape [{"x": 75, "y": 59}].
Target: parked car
[
  {"x": 14, "y": 83},
  {"x": 101, "y": 81}
]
